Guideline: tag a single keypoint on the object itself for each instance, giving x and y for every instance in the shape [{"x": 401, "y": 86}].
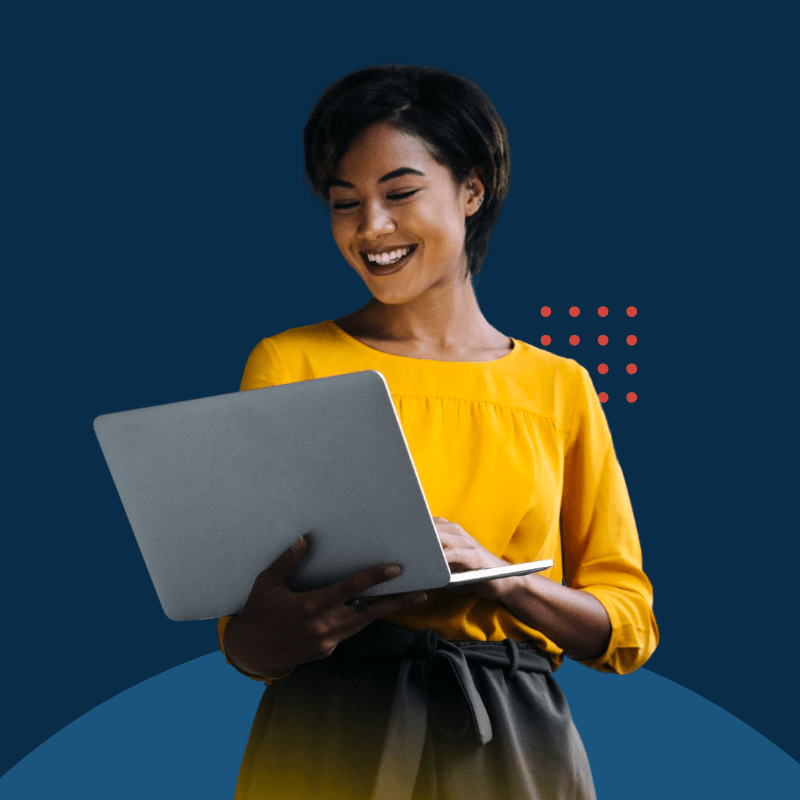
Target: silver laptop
[{"x": 216, "y": 489}]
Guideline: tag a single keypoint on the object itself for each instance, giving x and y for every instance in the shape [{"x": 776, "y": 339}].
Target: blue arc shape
[{"x": 182, "y": 734}]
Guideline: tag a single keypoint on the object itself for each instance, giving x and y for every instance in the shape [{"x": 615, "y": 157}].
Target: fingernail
[
  {"x": 298, "y": 545},
  {"x": 420, "y": 597},
  {"x": 392, "y": 571}
]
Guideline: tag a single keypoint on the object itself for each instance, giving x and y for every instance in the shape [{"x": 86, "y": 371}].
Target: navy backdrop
[{"x": 158, "y": 225}]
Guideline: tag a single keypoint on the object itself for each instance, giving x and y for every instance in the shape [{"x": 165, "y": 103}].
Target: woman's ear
[{"x": 475, "y": 191}]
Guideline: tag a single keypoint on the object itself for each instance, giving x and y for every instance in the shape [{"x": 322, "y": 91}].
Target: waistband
[{"x": 432, "y": 668}]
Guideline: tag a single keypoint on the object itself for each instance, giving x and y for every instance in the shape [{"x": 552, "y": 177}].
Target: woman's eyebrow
[
  {"x": 398, "y": 172},
  {"x": 395, "y": 173}
]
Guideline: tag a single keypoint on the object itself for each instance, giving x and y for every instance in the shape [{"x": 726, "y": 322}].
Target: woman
[{"x": 449, "y": 694}]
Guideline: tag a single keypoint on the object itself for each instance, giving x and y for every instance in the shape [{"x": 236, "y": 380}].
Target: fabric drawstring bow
[{"x": 434, "y": 682}]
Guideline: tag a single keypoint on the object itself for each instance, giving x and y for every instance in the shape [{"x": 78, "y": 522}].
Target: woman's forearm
[{"x": 575, "y": 620}]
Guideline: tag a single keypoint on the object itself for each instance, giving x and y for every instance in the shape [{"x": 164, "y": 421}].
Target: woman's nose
[{"x": 375, "y": 220}]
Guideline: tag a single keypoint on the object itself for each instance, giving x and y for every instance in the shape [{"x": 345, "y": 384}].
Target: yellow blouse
[{"x": 517, "y": 451}]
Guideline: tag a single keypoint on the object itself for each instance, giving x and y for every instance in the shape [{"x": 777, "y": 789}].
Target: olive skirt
[{"x": 401, "y": 715}]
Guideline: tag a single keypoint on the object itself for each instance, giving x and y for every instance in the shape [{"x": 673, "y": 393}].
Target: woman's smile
[{"x": 388, "y": 261}]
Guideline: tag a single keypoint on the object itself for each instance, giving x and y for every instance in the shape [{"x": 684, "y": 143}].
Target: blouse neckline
[{"x": 357, "y": 342}]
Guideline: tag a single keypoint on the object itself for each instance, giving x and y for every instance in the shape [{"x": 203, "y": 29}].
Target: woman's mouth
[{"x": 386, "y": 262}]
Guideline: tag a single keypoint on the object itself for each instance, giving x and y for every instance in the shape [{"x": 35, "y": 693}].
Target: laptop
[{"x": 216, "y": 489}]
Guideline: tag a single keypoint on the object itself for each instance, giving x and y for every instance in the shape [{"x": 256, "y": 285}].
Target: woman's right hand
[{"x": 279, "y": 629}]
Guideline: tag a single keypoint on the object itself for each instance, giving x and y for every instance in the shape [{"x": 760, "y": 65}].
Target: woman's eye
[
  {"x": 346, "y": 205},
  {"x": 402, "y": 195}
]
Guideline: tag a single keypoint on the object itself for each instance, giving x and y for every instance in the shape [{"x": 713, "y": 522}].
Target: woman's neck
[{"x": 446, "y": 326}]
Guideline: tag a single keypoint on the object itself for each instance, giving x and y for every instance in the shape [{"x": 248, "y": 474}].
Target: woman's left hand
[{"x": 463, "y": 552}]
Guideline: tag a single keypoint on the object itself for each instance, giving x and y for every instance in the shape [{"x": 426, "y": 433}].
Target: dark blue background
[{"x": 157, "y": 226}]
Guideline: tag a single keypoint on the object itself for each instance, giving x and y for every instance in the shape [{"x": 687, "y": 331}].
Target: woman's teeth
[{"x": 388, "y": 258}]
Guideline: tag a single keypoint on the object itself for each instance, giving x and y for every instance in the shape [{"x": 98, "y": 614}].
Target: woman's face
[{"x": 398, "y": 216}]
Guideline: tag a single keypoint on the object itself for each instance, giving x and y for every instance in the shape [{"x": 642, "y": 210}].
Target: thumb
[{"x": 288, "y": 561}]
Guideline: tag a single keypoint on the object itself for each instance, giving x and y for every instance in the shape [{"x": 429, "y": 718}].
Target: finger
[
  {"x": 449, "y": 529},
  {"x": 361, "y": 581},
  {"x": 456, "y": 559},
  {"x": 285, "y": 563},
  {"x": 452, "y": 541}
]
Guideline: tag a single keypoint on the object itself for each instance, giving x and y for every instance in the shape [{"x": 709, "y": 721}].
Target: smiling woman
[
  {"x": 447, "y": 693},
  {"x": 449, "y": 116}
]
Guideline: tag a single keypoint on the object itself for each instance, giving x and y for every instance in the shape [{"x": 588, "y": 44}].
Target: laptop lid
[{"x": 216, "y": 488}]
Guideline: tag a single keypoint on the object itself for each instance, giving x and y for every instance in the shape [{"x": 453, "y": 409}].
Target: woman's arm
[
  {"x": 603, "y": 615},
  {"x": 575, "y": 620}
]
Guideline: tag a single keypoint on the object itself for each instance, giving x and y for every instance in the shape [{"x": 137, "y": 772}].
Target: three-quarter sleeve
[
  {"x": 600, "y": 542},
  {"x": 263, "y": 368}
]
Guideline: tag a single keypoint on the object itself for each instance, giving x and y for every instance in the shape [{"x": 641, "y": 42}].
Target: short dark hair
[{"x": 451, "y": 114}]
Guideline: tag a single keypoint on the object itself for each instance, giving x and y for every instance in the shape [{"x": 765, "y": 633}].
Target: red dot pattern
[{"x": 602, "y": 340}]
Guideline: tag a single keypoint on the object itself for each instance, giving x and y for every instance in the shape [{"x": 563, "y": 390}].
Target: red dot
[
  {"x": 631, "y": 339},
  {"x": 602, "y": 339},
  {"x": 545, "y": 340},
  {"x": 631, "y": 311},
  {"x": 545, "y": 311},
  {"x": 574, "y": 339},
  {"x": 574, "y": 311},
  {"x": 602, "y": 311},
  {"x": 631, "y": 397},
  {"x": 631, "y": 368},
  {"x": 602, "y": 369},
  {"x": 603, "y": 397}
]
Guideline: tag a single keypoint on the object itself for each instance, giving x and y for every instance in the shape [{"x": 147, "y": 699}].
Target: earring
[{"x": 471, "y": 186}]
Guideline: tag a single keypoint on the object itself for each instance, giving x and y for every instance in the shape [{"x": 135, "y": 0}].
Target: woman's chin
[
  {"x": 391, "y": 293},
  {"x": 391, "y": 299}
]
